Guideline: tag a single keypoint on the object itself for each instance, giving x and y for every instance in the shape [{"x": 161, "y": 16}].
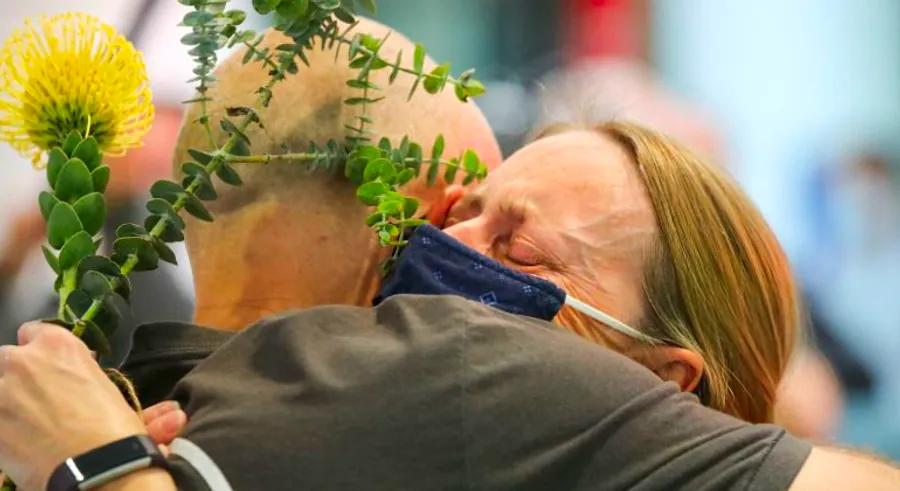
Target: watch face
[{"x": 114, "y": 455}]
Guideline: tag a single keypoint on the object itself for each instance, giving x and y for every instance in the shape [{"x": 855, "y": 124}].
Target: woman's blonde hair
[{"x": 717, "y": 282}]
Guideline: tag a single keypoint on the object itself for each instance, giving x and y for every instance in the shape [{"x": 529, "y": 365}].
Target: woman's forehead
[{"x": 572, "y": 161}]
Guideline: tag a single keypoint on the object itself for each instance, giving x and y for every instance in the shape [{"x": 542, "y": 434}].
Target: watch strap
[{"x": 104, "y": 464}]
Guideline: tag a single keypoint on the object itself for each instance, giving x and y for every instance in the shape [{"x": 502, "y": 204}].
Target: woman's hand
[
  {"x": 164, "y": 422},
  {"x": 56, "y": 403}
]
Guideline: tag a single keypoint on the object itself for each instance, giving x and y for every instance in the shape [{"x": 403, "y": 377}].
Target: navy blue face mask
[{"x": 433, "y": 263}]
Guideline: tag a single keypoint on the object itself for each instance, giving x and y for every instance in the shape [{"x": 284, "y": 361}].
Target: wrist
[
  {"x": 104, "y": 464},
  {"x": 150, "y": 478}
]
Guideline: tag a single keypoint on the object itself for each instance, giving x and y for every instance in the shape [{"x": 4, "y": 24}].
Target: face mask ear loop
[{"x": 609, "y": 320}]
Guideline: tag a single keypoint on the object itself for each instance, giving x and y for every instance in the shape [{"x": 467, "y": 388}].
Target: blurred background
[{"x": 799, "y": 100}]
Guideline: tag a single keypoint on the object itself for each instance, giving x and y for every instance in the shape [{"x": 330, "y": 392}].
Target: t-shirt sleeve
[{"x": 573, "y": 415}]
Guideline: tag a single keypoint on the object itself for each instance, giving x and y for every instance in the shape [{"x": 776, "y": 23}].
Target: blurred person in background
[{"x": 856, "y": 275}]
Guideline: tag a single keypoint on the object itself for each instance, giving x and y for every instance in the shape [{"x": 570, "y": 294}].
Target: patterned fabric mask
[{"x": 433, "y": 263}]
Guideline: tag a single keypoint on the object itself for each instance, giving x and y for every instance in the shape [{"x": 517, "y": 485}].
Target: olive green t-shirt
[{"x": 440, "y": 393}]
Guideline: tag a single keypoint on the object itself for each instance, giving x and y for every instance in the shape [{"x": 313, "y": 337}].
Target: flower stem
[{"x": 266, "y": 158}]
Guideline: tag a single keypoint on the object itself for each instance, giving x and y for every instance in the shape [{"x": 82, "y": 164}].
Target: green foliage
[
  {"x": 62, "y": 224},
  {"x": 74, "y": 181},
  {"x": 75, "y": 209},
  {"x": 91, "y": 211},
  {"x": 380, "y": 171}
]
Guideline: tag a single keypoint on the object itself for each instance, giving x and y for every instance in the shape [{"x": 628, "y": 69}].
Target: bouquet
[{"x": 73, "y": 90}]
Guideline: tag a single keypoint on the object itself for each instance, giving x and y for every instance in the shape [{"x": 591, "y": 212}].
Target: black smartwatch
[{"x": 103, "y": 464}]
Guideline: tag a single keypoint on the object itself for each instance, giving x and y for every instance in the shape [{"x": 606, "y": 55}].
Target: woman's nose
[{"x": 472, "y": 233}]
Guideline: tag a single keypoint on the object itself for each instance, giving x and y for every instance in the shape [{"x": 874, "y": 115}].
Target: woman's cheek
[{"x": 581, "y": 324}]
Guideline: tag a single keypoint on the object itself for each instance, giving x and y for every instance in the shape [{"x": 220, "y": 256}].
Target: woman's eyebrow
[{"x": 474, "y": 197}]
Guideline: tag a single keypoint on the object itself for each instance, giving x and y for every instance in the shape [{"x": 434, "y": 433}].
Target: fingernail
[{"x": 174, "y": 405}]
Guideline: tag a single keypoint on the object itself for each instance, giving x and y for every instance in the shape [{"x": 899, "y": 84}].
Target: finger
[
  {"x": 164, "y": 449},
  {"x": 166, "y": 428},
  {"x": 29, "y": 331},
  {"x": 159, "y": 409}
]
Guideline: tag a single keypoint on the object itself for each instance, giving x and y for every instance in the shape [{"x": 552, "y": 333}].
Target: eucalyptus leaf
[
  {"x": 79, "y": 301},
  {"x": 196, "y": 172},
  {"x": 162, "y": 207},
  {"x": 46, "y": 201},
  {"x": 374, "y": 218},
  {"x": 369, "y": 192},
  {"x": 72, "y": 140},
  {"x": 195, "y": 207},
  {"x": 75, "y": 249},
  {"x": 109, "y": 269},
  {"x": 62, "y": 224},
  {"x": 474, "y": 88},
  {"x": 438, "y": 149},
  {"x": 292, "y": 8},
  {"x": 419, "y": 59},
  {"x": 51, "y": 259},
  {"x": 396, "y": 70},
  {"x": 374, "y": 169},
  {"x": 139, "y": 247},
  {"x": 450, "y": 171},
  {"x": 436, "y": 80},
  {"x": 410, "y": 206},
  {"x": 96, "y": 284},
  {"x": 231, "y": 129},
  {"x": 354, "y": 170},
  {"x": 200, "y": 156},
  {"x": 89, "y": 152},
  {"x": 237, "y": 17},
  {"x": 405, "y": 176},
  {"x": 167, "y": 190},
  {"x": 265, "y": 6},
  {"x": 391, "y": 207},
  {"x": 91, "y": 210},
  {"x": 100, "y": 178},
  {"x": 165, "y": 253},
  {"x": 228, "y": 175},
  {"x": 197, "y": 18},
  {"x": 55, "y": 161},
  {"x": 433, "y": 169},
  {"x": 130, "y": 230},
  {"x": 74, "y": 181},
  {"x": 172, "y": 233}
]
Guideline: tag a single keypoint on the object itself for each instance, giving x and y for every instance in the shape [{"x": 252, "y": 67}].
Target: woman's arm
[{"x": 57, "y": 403}]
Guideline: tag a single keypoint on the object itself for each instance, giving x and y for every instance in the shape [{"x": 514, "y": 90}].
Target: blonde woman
[{"x": 694, "y": 284}]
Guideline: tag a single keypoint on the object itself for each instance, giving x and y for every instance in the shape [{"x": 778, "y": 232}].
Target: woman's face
[{"x": 572, "y": 209}]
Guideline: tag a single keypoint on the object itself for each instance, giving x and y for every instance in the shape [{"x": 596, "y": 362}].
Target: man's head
[
  {"x": 289, "y": 238},
  {"x": 624, "y": 219}
]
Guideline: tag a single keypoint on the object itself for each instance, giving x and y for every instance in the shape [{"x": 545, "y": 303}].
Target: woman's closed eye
[{"x": 523, "y": 252}]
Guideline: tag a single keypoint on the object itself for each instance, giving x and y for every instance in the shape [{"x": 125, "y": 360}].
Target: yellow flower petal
[{"x": 72, "y": 72}]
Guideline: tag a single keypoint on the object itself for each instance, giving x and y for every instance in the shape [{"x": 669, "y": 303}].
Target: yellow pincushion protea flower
[{"x": 72, "y": 72}]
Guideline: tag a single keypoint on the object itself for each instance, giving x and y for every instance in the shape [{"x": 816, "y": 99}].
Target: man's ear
[
  {"x": 437, "y": 215},
  {"x": 679, "y": 365}
]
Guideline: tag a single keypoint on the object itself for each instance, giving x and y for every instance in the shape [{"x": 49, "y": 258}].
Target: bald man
[
  {"x": 421, "y": 392},
  {"x": 288, "y": 238}
]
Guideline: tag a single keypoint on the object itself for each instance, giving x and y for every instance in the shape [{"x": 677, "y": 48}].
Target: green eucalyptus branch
[
  {"x": 211, "y": 26},
  {"x": 89, "y": 283}
]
